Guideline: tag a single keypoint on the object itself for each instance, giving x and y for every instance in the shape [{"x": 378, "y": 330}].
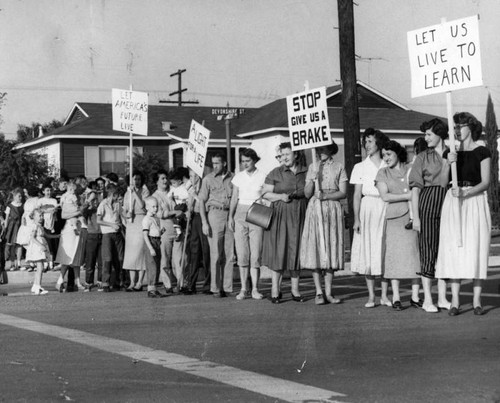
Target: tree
[
  {"x": 491, "y": 130},
  {"x": 149, "y": 164},
  {"x": 25, "y": 133}
]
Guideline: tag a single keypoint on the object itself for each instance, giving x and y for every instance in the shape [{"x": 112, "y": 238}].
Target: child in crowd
[
  {"x": 48, "y": 205},
  {"x": 93, "y": 244},
  {"x": 179, "y": 197},
  {"x": 152, "y": 232},
  {"x": 72, "y": 203},
  {"x": 109, "y": 217},
  {"x": 13, "y": 216},
  {"x": 37, "y": 249}
]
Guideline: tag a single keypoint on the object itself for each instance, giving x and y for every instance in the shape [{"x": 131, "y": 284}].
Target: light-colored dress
[
  {"x": 400, "y": 246},
  {"x": 329, "y": 215},
  {"x": 135, "y": 248},
  {"x": 366, "y": 250},
  {"x": 68, "y": 241},
  {"x": 34, "y": 251},
  {"x": 469, "y": 217}
]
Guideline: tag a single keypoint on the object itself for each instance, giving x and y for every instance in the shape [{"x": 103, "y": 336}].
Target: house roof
[
  {"x": 90, "y": 120},
  {"x": 375, "y": 110}
]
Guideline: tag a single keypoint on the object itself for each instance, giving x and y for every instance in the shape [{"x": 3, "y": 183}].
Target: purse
[{"x": 259, "y": 214}]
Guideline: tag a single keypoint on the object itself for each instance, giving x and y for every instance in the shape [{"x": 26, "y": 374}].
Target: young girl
[
  {"x": 37, "y": 250},
  {"x": 13, "y": 215},
  {"x": 48, "y": 205}
]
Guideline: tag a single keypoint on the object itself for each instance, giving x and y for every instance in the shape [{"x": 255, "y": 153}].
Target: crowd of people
[{"x": 409, "y": 224}]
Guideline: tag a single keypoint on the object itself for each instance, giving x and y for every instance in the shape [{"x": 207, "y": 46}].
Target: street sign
[
  {"x": 445, "y": 57},
  {"x": 197, "y": 147},
  {"x": 130, "y": 111},
  {"x": 308, "y": 119}
]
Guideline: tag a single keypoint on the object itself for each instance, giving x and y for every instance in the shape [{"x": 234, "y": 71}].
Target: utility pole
[
  {"x": 350, "y": 113},
  {"x": 179, "y": 91}
]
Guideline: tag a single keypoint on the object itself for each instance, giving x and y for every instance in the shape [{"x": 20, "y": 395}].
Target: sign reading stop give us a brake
[{"x": 308, "y": 119}]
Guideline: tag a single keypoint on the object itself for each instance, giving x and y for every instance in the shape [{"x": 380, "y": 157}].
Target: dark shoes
[
  {"x": 300, "y": 298},
  {"x": 478, "y": 310},
  {"x": 275, "y": 300},
  {"x": 409, "y": 224},
  {"x": 416, "y": 304},
  {"x": 397, "y": 306},
  {"x": 220, "y": 294},
  {"x": 454, "y": 311},
  {"x": 155, "y": 294}
]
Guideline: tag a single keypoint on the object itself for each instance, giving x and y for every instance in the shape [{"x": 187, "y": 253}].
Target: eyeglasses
[{"x": 459, "y": 126}]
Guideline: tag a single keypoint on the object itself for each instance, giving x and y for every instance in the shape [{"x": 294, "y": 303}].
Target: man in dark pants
[{"x": 199, "y": 255}]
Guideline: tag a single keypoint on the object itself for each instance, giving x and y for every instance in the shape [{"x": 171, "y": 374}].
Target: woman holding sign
[
  {"x": 369, "y": 212},
  {"x": 322, "y": 249},
  {"x": 467, "y": 259},
  {"x": 284, "y": 187}
]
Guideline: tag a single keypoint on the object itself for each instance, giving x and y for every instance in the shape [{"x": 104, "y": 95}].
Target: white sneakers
[{"x": 37, "y": 290}]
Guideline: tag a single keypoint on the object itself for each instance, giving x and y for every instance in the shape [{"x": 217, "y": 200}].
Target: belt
[
  {"x": 219, "y": 208},
  {"x": 154, "y": 237},
  {"x": 463, "y": 184}
]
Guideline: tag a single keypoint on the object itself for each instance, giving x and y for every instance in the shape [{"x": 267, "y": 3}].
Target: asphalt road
[{"x": 124, "y": 347}]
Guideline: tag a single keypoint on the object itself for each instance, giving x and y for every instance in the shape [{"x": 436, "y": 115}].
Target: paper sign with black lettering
[
  {"x": 308, "y": 119},
  {"x": 197, "y": 147},
  {"x": 130, "y": 111},
  {"x": 445, "y": 57}
]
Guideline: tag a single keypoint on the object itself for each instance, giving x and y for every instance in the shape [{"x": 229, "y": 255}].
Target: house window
[{"x": 101, "y": 160}]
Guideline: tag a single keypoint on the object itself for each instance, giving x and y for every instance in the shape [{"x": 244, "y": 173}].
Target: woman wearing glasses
[{"x": 466, "y": 258}]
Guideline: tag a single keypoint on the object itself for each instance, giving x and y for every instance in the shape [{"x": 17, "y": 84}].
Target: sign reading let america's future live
[
  {"x": 445, "y": 57},
  {"x": 308, "y": 119},
  {"x": 130, "y": 111}
]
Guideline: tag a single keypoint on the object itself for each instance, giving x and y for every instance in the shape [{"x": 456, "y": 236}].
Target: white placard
[
  {"x": 197, "y": 147},
  {"x": 308, "y": 119},
  {"x": 445, "y": 57},
  {"x": 130, "y": 111}
]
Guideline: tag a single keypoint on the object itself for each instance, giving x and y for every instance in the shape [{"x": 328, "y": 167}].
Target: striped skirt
[{"x": 429, "y": 209}]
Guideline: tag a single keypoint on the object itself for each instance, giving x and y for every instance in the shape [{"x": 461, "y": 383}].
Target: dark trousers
[
  {"x": 93, "y": 256},
  {"x": 153, "y": 263},
  {"x": 112, "y": 249},
  {"x": 199, "y": 255}
]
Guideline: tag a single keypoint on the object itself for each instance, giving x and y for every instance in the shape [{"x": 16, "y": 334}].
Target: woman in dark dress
[{"x": 284, "y": 187}]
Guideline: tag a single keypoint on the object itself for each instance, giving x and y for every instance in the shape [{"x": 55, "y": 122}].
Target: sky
[{"x": 247, "y": 53}]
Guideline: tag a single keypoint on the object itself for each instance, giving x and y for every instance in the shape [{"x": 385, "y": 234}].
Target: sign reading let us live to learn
[
  {"x": 130, "y": 111},
  {"x": 445, "y": 57},
  {"x": 197, "y": 147},
  {"x": 308, "y": 119}
]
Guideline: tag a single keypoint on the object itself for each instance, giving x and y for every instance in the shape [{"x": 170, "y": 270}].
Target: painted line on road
[{"x": 263, "y": 384}]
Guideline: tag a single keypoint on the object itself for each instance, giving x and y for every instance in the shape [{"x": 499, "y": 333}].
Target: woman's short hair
[
  {"x": 437, "y": 126},
  {"x": 32, "y": 191},
  {"x": 400, "y": 151},
  {"x": 380, "y": 137},
  {"x": 138, "y": 173},
  {"x": 156, "y": 175},
  {"x": 250, "y": 153},
  {"x": 331, "y": 149},
  {"x": 466, "y": 118},
  {"x": 419, "y": 145}
]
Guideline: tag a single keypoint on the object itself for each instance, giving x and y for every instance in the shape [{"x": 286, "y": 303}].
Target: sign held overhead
[
  {"x": 197, "y": 147},
  {"x": 308, "y": 119},
  {"x": 445, "y": 57},
  {"x": 130, "y": 111}
]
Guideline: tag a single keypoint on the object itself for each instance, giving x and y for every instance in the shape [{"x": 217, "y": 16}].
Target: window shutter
[{"x": 92, "y": 163}]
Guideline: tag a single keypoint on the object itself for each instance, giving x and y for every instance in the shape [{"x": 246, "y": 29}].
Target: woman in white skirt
[
  {"x": 466, "y": 214},
  {"x": 134, "y": 208},
  {"x": 322, "y": 243},
  {"x": 369, "y": 216}
]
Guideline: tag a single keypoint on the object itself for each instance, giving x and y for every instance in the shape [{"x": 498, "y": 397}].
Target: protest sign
[
  {"x": 308, "y": 119},
  {"x": 445, "y": 57},
  {"x": 197, "y": 147},
  {"x": 130, "y": 111}
]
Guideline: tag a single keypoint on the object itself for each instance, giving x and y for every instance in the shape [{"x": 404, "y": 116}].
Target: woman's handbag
[{"x": 260, "y": 214}]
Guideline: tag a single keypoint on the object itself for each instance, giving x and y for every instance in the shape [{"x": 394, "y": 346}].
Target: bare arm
[
  {"x": 356, "y": 203},
  {"x": 415, "y": 197},
  {"x": 268, "y": 194},
  {"x": 232, "y": 207},
  {"x": 391, "y": 197}
]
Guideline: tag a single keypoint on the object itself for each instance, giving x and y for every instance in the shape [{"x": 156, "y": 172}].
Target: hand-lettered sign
[
  {"x": 197, "y": 147},
  {"x": 130, "y": 111},
  {"x": 308, "y": 119},
  {"x": 445, "y": 57}
]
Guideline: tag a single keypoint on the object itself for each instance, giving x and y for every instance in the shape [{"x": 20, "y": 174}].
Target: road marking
[{"x": 266, "y": 385}]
